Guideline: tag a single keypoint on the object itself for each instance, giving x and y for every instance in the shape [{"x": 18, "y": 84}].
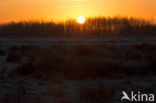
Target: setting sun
[{"x": 81, "y": 19}]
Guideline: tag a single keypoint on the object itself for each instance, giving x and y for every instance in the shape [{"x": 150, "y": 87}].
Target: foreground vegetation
[
  {"x": 84, "y": 61},
  {"x": 76, "y": 73}
]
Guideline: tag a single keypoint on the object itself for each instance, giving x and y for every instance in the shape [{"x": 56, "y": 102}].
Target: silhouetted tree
[{"x": 100, "y": 27}]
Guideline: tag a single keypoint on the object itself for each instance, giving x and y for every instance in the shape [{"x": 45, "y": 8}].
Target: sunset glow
[
  {"x": 17, "y": 10},
  {"x": 81, "y": 19}
]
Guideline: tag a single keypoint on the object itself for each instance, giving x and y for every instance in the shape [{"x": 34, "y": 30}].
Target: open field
[
  {"x": 77, "y": 51},
  {"x": 75, "y": 70},
  {"x": 76, "y": 41}
]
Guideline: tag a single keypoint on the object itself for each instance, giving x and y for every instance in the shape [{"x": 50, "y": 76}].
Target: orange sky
[{"x": 17, "y": 10}]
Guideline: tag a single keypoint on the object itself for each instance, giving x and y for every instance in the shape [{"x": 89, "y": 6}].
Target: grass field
[{"x": 75, "y": 70}]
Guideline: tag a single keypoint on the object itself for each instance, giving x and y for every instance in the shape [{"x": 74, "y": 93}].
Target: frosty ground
[{"x": 75, "y": 70}]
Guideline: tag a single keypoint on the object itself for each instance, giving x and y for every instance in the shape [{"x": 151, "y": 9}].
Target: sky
[{"x": 25, "y": 10}]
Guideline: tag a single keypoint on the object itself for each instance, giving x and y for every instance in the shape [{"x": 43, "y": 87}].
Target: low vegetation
[{"x": 86, "y": 62}]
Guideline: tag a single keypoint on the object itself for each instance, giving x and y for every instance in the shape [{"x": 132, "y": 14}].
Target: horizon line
[{"x": 41, "y": 20}]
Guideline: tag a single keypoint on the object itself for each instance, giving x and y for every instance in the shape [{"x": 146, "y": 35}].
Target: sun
[{"x": 81, "y": 19}]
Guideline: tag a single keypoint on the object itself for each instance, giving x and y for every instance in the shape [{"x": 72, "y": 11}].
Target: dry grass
[{"x": 89, "y": 62}]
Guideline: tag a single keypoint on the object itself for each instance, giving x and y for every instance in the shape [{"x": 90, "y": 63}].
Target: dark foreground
[{"x": 75, "y": 70}]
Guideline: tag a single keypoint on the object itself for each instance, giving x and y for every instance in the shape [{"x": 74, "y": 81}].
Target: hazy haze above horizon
[{"x": 19, "y": 10}]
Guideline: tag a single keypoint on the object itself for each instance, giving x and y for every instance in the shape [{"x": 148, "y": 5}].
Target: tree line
[{"x": 96, "y": 27}]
